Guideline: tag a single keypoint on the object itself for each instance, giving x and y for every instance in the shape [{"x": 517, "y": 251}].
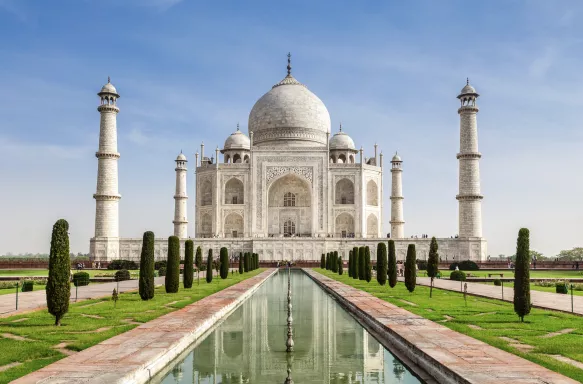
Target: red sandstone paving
[
  {"x": 471, "y": 359},
  {"x": 112, "y": 359}
]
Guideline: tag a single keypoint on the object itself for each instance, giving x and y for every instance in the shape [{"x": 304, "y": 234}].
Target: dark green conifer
[
  {"x": 172, "y": 279},
  {"x": 432, "y": 263},
  {"x": 209, "y": 266},
  {"x": 522, "y": 304},
  {"x": 411, "y": 268},
  {"x": 146, "y": 283},
  {"x": 382, "y": 263},
  {"x": 58, "y": 287},
  {"x": 392, "y": 264}
]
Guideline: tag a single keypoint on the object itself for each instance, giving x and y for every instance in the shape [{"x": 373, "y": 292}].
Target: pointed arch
[{"x": 372, "y": 193}]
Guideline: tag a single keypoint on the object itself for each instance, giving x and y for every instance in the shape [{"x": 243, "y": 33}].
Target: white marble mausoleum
[{"x": 289, "y": 189}]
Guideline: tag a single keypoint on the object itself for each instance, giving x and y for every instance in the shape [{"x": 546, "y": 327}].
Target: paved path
[
  {"x": 136, "y": 355},
  {"x": 28, "y": 301},
  {"x": 442, "y": 352},
  {"x": 547, "y": 300}
]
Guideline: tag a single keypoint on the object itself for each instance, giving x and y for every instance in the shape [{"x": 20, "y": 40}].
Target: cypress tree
[
  {"x": 392, "y": 264},
  {"x": 340, "y": 266},
  {"x": 410, "y": 268},
  {"x": 432, "y": 263},
  {"x": 240, "y": 263},
  {"x": 327, "y": 260},
  {"x": 382, "y": 263},
  {"x": 58, "y": 287},
  {"x": 198, "y": 258},
  {"x": 333, "y": 262},
  {"x": 146, "y": 282},
  {"x": 172, "y": 278},
  {"x": 257, "y": 261},
  {"x": 350, "y": 263},
  {"x": 361, "y": 262},
  {"x": 355, "y": 262},
  {"x": 209, "y": 267},
  {"x": 246, "y": 261},
  {"x": 522, "y": 303},
  {"x": 367, "y": 265},
  {"x": 224, "y": 257},
  {"x": 323, "y": 261},
  {"x": 188, "y": 274}
]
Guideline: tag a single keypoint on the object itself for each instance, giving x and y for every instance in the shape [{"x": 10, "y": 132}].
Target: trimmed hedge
[
  {"x": 323, "y": 261},
  {"x": 361, "y": 264},
  {"x": 161, "y": 263},
  {"x": 465, "y": 265},
  {"x": 350, "y": 263},
  {"x": 392, "y": 261},
  {"x": 172, "y": 281},
  {"x": 559, "y": 288},
  {"x": 457, "y": 276},
  {"x": 382, "y": 263},
  {"x": 198, "y": 258},
  {"x": 122, "y": 275},
  {"x": 340, "y": 266},
  {"x": 224, "y": 258},
  {"x": 122, "y": 264},
  {"x": 367, "y": 265},
  {"x": 58, "y": 287},
  {"x": 80, "y": 279},
  {"x": 162, "y": 271},
  {"x": 522, "y": 302},
  {"x": 209, "y": 270},
  {"x": 498, "y": 282},
  {"x": 188, "y": 274},
  {"x": 147, "y": 264},
  {"x": 355, "y": 262},
  {"x": 410, "y": 268},
  {"x": 28, "y": 286}
]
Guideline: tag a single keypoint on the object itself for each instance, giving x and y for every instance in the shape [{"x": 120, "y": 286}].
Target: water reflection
[{"x": 329, "y": 345}]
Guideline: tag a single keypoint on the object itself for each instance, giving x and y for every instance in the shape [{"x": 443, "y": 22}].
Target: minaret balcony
[
  {"x": 469, "y": 197},
  {"x": 102, "y": 197},
  {"x": 468, "y": 109},
  {"x": 107, "y": 155},
  {"x": 108, "y": 108},
  {"x": 469, "y": 155}
]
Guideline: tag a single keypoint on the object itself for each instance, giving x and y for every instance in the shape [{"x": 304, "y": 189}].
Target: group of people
[{"x": 401, "y": 268}]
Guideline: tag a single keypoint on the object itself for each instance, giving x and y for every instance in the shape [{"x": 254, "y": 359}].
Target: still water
[{"x": 250, "y": 345}]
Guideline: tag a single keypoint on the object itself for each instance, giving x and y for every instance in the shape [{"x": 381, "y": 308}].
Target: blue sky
[{"x": 388, "y": 70}]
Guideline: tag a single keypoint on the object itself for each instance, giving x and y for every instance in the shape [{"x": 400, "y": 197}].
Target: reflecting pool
[{"x": 330, "y": 346}]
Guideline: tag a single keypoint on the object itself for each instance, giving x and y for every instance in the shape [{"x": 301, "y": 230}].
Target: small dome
[
  {"x": 237, "y": 140},
  {"x": 468, "y": 89},
  {"x": 341, "y": 140},
  {"x": 108, "y": 88},
  {"x": 396, "y": 157},
  {"x": 181, "y": 157}
]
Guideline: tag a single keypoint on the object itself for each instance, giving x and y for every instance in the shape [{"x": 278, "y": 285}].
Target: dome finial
[
  {"x": 288, "y": 63},
  {"x": 108, "y": 80},
  {"x": 237, "y": 126},
  {"x": 340, "y": 127},
  {"x": 467, "y": 81}
]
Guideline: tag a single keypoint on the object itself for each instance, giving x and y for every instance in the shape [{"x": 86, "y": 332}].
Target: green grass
[
  {"x": 39, "y": 327},
  {"x": 45, "y": 272},
  {"x": 5, "y": 291},
  {"x": 534, "y": 273},
  {"x": 503, "y": 322},
  {"x": 537, "y": 288}
]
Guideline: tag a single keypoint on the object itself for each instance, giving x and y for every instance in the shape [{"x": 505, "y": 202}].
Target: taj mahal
[{"x": 290, "y": 189}]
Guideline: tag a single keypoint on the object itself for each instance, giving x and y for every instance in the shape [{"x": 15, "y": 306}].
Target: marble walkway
[
  {"x": 137, "y": 355},
  {"x": 30, "y": 301},
  {"x": 447, "y": 355},
  {"x": 547, "y": 300}
]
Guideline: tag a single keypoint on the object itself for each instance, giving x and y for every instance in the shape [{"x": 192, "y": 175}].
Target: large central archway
[{"x": 289, "y": 207}]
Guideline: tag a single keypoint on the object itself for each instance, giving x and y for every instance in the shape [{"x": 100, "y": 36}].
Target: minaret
[
  {"x": 397, "y": 223},
  {"x": 469, "y": 197},
  {"x": 180, "y": 198},
  {"x": 107, "y": 196}
]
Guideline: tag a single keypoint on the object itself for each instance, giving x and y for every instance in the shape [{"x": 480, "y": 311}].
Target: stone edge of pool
[
  {"x": 137, "y": 355},
  {"x": 448, "y": 356}
]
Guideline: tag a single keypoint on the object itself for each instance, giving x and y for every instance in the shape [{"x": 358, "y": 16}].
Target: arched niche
[
  {"x": 234, "y": 191},
  {"x": 344, "y": 225},
  {"x": 233, "y": 225},
  {"x": 289, "y": 200},
  {"x": 206, "y": 224},
  {"x": 372, "y": 229},
  {"x": 372, "y": 194},
  {"x": 344, "y": 192},
  {"x": 206, "y": 193}
]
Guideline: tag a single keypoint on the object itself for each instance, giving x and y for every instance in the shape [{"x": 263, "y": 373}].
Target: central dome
[{"x": 289, "y": 114}]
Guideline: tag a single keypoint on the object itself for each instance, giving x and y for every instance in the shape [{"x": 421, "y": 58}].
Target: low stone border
[
  {"x": 137, "y": 355},
  {"x": 448, "y": 356}
]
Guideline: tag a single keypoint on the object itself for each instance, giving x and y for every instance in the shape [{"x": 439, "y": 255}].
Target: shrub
[
  {"x": 392, "y": 264},
  {"x": 559, "y": 288},
  {"x": 146, "y": 282},
  {"x": 498, "y": 282},
  {"x": 246, "y": 262},
  {"x": 327, "y": 261},
  {"x": 335, "y": 261},
  {"x": 161, "y": 263},
  {"x": 198, "y": 258},
  {"x": 432, "y": 265},
  {"x": 466, "y": 265},
  {"x": 410, "y": 268},
  {"x": 422, "y": 265},
  {"x": 224, "y": 257},
  {"x": 28, "y": 285},
  {"x": 240, "y": 263},
  {"x": 522, "y": 303},
  {"x": 355, "y": 262},
  {"x": 323, "y": 261},
  {"x": 350, "y": 260},
  {"x": 367, "y": 266},
  {"x": 122, "y": 275},
  {"x": 172, "y": 281},
  {"x": 457, "y": 276},
  {"x": 188, "y": 264},
  {"x": 209, "y": 270},
  {"x": 382, "y": 263},
  {"x": 361, "y": 264},
  {"x": 80, "y": 279},
  {"x": 122, "y": 264},
  {"x": 340, "y": 266},
  {"x": 162, "y": 271},
  {"x": 58, "y": 287}
]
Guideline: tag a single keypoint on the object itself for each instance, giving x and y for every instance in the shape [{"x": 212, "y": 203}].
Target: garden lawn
[
  {"x": 88, "y": 323},
  {"x": 498, "y": 325},
  {"x": 534, "y": 287},
  {"x": 45, "y": 272},
  {"x": 534, "y": 273},
  {"x": 5, "y": 291}
]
